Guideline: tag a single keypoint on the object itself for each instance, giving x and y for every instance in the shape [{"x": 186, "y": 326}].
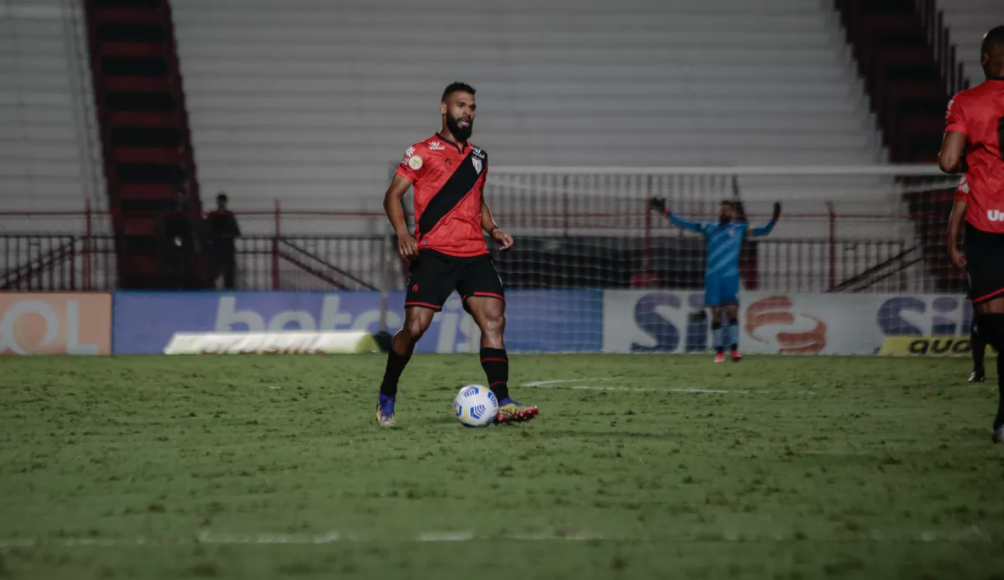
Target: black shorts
[
  {"x": 434, "y": 276},
  {"x": 984, "y": 264}
]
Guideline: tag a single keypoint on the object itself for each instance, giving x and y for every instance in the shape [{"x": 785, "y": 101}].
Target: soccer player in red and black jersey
[
  {"x": 448, "y": 250},
  {"x": 974, "y": 144}
]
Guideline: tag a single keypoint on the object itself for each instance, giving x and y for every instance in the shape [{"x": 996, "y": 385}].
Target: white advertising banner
[{"x": 779, "y": 323}]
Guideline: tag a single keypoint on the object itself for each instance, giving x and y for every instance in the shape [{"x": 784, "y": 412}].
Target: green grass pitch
[{"x": 273, "y": 467}]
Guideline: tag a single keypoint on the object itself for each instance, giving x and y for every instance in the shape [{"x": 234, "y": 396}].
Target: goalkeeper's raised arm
[
  {"x": 659, "y": 205},
  {"x": 769, "y": 226}
]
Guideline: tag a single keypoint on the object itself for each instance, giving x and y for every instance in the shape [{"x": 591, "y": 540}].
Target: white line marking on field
[
  {"x": 567, "y": 384},
  {"x": 971, "y": 534},
  {"x": 558, "y": 382},
  {"x": 446, "y": 536}
]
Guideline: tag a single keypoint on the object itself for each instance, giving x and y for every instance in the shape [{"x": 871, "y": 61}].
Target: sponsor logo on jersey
[
  {"x": 995, "y": 215},
  {"x": 415, "y": 162},
  {"x": 409, "y": 152},
  {"x": 478, "y": 153},
  {"x": 436, "y": 146}
]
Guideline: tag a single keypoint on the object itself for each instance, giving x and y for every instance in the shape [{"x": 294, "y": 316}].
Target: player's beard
[{"x": 461, "y": 133}]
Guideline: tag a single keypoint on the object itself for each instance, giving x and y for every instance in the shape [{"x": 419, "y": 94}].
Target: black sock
[
  {"x": 991, "y": 331},
  {"x": 734, "y": 334},
  {"x": 999, "y": 420},
  {"x": 496, "y": 364},
  {"x": 717, "y": 336},
  {"x": 395, "y": 366},
  {"x": 978, "y": 348}
]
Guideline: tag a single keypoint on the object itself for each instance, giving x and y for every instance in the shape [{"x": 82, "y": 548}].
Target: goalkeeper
[{"x": 721, "y": 276}]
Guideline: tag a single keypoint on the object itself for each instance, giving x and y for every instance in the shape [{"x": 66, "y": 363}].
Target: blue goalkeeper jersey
[{"x": 724, "y": 242}]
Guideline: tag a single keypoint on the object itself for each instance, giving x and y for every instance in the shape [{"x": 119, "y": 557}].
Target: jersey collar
[{"x": 458, "y": 147}]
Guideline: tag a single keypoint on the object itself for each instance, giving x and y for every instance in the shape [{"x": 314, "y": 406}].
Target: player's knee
[
  {"x": 990, "y": 328},
  {"x": 416, "y": 327},
  {"x": 493, "y": 324}
]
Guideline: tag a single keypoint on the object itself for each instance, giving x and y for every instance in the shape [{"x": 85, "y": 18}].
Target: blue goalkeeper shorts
[{"x": 721, "y": 290}]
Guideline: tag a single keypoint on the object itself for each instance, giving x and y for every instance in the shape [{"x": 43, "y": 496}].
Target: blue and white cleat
[{"x": 385, "y": 411}]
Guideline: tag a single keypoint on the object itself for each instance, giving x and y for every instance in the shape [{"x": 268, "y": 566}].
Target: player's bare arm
[
  {"x": 406, "y": 244},
  {"x": 953, "y": 147},
  {"x": 488, "y": 224},
  {"x": 954, "y": 221}
]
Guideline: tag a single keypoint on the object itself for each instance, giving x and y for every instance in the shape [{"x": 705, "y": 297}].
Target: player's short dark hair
[
  {"x": 221, "y": 197},
  {"x": 993, "y": 42},
  {"x": 729, "y": 203},
  {"x": 457, "y": 88}
]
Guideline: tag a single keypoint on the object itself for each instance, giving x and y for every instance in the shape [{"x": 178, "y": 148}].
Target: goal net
[{"x": 858, "y": 255}]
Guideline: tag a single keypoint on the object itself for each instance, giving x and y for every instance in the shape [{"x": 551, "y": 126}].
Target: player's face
[
  {"x": 458, "y": 112},
  {"x": 725, "y": 213}
]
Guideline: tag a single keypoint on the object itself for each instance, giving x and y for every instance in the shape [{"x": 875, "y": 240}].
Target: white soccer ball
[{"x": 475, "y": 406}]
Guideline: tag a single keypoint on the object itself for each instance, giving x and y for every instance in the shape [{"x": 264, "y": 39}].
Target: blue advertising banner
[{"x": 536, "y": 320}]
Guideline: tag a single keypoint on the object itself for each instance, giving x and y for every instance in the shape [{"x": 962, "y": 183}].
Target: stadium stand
[
  {"x": 968, "y": 21},
  {"x": 314, "y": 102},
  {"x": 49, "y": 153}
]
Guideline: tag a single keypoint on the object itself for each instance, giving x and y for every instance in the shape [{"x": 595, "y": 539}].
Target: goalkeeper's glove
[
  {"x": 657, "y": 204},
  {"x": 777, "y": 211}
]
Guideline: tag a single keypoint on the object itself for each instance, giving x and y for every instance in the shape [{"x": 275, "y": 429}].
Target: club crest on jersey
[
  {"x": 477, "y": 164},
  {"x": 436, "y": 146},
  {"x": 415, "y": 162}
]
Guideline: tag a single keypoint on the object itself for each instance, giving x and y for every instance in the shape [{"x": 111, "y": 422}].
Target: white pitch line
[
  {"x": 227, "y": 539},
  {"x": 971, "y": 534},
  {"x": 567, "y": 384},
  {"x": 558, "y": 382}
]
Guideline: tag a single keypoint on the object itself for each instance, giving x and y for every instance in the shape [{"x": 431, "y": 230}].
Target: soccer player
[
  {"x": 448, "y": 250},
  {"x": 977, "y": 347},
  {"x": 721, "y": 276},
  {"x": 974, "y": 129}
]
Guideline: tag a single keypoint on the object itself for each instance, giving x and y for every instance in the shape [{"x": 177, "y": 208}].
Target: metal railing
[{"x": 574, "y": 226}]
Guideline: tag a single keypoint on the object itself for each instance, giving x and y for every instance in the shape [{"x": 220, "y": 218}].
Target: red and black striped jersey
[
  {"x": 979, "y": 114},
  {"x": 448, "y": 181}
]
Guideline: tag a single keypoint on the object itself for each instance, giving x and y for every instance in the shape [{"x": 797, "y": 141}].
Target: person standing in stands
[
  {"x": 177, "y": 243},
  {"x": 223, "y": 231}
]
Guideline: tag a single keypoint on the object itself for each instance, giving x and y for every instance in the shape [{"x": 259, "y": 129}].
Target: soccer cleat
[
  {"x": 720, "y": 357},
  {"x": 736, "y": 356},
  {"x": 512, "y": 412},
  {"x": 977, "y": 377},
  {"x": 385, "y": 411}
]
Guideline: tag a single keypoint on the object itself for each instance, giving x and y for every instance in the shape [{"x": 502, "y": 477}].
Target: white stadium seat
[
  {"x": 968, "y": 21},
  {"x": 50, "y": 158},
  {"x": 314, "y": 101}
]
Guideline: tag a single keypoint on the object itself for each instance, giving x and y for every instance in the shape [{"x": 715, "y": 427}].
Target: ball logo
[
  {"x": 415, "y": 162},
  {"x": 55, "y": 324},
  {"x": 768, "y": 318}
]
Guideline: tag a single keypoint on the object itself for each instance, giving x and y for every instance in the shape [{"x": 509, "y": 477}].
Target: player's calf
[
  {"x": 416, "y": 322},
  {"x": 991, "y": 327}
]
